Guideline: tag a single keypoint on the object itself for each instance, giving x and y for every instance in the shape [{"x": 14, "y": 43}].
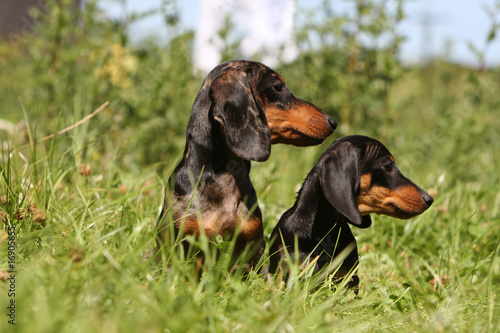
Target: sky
[{"x": 432, "y": 27}]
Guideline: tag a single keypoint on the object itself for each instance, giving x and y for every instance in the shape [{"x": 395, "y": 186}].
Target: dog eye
[
  {"x": 278, "y": 87},
  {"x": 388, "y": 167}
]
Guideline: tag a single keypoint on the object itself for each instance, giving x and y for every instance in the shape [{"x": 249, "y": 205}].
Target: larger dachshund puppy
[
  {"x": 356, "y": 176},
  {"x": 241, "y": 109}
]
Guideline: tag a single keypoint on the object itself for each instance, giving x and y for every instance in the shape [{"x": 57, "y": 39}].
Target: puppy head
[
  {"x": 360, "y": 177},
  {"x": 254, "y": 105},
  {"x": 241, "y": 117},
  {"x": 290, "y": 119}
]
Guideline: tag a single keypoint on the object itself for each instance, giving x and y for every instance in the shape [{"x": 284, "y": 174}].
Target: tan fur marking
[
  {"x": 251, "y": 229},
  {"x": 402, "y": 203},
  {"x": 365, "y": 182},
  {"x": 213, "y": 224},
  {"x": 409, "y": 199},
  {"x": 297, "y": 125}
]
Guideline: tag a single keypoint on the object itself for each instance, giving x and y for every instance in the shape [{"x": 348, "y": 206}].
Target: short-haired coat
[
  {"x": 355, "y": 176},
  {"x": 241, "y": 109}
]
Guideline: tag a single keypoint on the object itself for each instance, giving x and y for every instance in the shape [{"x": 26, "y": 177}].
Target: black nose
[
  {"x": 332, "y": 122},
  {"x": 428, "y": 199}
]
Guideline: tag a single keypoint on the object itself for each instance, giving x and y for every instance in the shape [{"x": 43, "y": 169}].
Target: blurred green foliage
[{"x": 151, "y": 88}]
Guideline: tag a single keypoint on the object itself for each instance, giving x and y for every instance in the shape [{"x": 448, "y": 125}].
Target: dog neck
[
  {"x": 313, "y": 211},
  {"x": 206, "y": 157}
]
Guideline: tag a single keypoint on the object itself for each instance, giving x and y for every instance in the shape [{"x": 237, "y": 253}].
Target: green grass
[
  {"x": 84, "y": 204},
  {"x": 80, "y": 269}
]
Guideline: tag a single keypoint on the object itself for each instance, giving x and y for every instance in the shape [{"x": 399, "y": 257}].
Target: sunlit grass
[{"x": 80, "y": 264}]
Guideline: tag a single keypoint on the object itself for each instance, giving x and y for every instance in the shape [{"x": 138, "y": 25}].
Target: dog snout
[
  {"x": 332, "y": 122},
  {"x": 427, "y": 199}
]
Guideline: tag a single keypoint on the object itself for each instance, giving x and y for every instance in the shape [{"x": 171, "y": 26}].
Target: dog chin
[
  {"x": 402, "y": 214},
  {"x": 299, "y": 140}
]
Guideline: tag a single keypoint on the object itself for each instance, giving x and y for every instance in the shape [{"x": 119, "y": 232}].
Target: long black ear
[
  {"x": 340, "y": 177},
  {"x": 242, "y": 120}
]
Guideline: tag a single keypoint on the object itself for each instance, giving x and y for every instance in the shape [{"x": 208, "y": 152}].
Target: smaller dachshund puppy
[{"x": 356, "y": 176}]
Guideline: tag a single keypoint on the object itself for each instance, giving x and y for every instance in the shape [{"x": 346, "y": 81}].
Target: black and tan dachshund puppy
[
  {"x": 355, "y": 176},
  {"x": 241, "y": 109}
]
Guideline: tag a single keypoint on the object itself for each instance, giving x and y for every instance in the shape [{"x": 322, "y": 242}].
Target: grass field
[{"x": 83, "y": 204}]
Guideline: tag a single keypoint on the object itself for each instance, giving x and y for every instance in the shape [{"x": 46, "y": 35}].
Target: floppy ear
[
  {"x": 242, "y": 120},
  {"x": 340, "y": 184}
]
